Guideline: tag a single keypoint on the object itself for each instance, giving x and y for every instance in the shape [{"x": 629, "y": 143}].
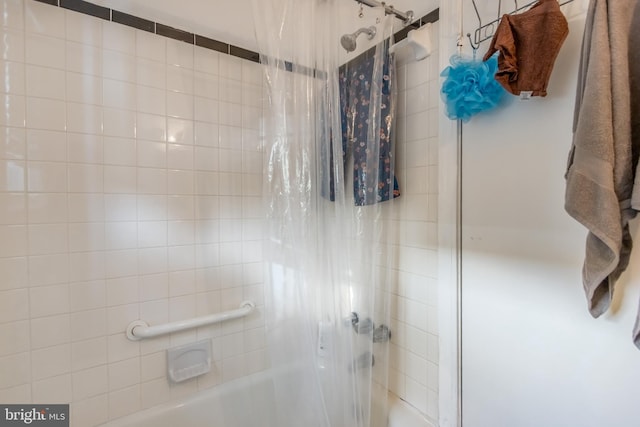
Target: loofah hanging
[{"x": 470, "y": 87}]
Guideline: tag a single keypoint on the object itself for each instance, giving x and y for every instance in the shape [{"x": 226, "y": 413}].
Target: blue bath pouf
[{"x": 470, "y": 87}]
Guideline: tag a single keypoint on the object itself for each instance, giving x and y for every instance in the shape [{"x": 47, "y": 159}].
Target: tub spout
[{"x": 364, "y": 360}]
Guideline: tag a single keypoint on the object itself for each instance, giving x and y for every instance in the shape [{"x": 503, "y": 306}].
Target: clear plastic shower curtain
[{"x": 329, "y": 253}]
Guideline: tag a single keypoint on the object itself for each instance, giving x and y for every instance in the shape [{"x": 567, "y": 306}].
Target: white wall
[
  {"x": 130, "y": 187},
  {"x": 532, "y": 355},
  {"x": 414, "y": 343}
]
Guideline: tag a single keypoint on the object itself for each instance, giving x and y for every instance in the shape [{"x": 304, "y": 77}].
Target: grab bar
[{"x": 139, "y": 329}]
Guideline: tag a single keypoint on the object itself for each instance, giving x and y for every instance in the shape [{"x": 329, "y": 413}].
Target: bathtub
[
  {"x": 246, "y": 402},
  {"x": 401, "y": 414}
]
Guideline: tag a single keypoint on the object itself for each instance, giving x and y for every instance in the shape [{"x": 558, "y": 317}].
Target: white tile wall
[
  {"x": 414, "y": 343},
  {"x": 122, "y": 196}
]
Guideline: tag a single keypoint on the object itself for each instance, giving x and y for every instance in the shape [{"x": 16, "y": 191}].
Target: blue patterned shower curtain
[{"x": 371, "y": 183}]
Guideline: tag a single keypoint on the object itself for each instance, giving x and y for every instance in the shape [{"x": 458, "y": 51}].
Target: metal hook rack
[{"x": 485, "y": 31}]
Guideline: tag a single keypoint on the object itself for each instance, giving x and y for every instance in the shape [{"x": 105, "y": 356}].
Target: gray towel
[
  {"x": 634, "y": 74},
  {"x": 600, "y": 191}
]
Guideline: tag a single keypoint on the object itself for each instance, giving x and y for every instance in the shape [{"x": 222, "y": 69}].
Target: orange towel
[{"x": 529, "y": 44}]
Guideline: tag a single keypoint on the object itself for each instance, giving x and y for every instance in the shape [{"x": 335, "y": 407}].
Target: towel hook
[{"x": 474, "y": 47}]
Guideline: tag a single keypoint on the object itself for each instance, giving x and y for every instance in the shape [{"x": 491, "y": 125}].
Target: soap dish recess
[{"x": 189, "y": 361}]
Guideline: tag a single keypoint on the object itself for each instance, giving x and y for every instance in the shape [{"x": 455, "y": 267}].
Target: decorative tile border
[
  {"x": 133, "y": 21},
  {"x": 116, "y": 16},
  {"x": 84, "y": 7},
  {"x": 176, "y": 34}
]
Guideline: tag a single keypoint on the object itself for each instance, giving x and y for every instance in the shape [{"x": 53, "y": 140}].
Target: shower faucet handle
[
  {"x": 364, "y": 326},
  {"x": 382, "y": 333}
]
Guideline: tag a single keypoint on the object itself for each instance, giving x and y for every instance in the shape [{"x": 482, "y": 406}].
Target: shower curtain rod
[{"x": 406, "y": 17}]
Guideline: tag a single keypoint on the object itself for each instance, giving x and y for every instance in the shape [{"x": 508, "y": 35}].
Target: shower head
[{"x": 348, "y": 41}]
